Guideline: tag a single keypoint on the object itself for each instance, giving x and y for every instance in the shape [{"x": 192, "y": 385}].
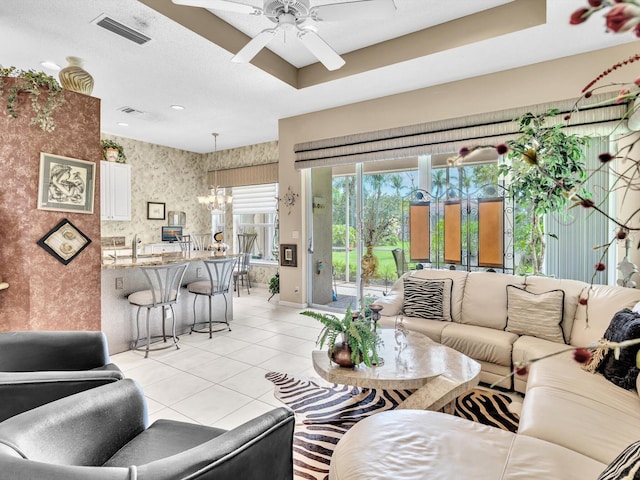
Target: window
[{"x": 255, "y": 211}]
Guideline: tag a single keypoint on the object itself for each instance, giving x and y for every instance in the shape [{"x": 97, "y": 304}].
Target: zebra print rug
[{"x": 324, "y": 412}]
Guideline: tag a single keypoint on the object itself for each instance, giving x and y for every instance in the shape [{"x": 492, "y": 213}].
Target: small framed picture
[
  {"x": 65, "y": 184},
  {"x": 156, "y": 211},
  {"x": 64, "y": 241},
  {"x": 288, "y": 255}
]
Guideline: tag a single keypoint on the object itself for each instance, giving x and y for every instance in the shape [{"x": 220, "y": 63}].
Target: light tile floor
[{"x": 220, "y": 381}]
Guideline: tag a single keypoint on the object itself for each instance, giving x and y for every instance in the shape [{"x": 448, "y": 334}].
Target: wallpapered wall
[
  {"x": 177, "y": 177},
  {"x": 161, "y": 174}
]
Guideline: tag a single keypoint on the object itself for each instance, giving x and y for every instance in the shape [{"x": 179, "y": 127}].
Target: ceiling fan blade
[
  {"x": 321, "y": 49},
  {"x": 256, "y": 44},
  {"x": 225, "y": 5},
  {"x": 361, "y": 8}
]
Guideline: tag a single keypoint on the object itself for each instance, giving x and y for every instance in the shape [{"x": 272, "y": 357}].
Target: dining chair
[
  {"x": 185, "y": 243},
  {"x": 164, "y": 282},
  {"x": 201, "y": 241},
  {"x": 246, "y": 241}
]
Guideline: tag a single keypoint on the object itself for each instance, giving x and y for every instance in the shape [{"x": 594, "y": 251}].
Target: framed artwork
[
  {"x": 156, "y": 211},
  {"x": 66, "y": 184},
  {"x": 288, "y": 255},
  {"x": 64, "y": 241}
]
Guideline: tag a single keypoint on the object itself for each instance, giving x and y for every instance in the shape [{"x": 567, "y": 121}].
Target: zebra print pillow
[
  {"x": 626, "y": 466},
  {"x": 427, "y": 298}
]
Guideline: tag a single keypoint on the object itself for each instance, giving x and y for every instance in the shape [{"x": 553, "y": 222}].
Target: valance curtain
[
  {"x": 242, "y": 176},
  {"x": 447, "y": 136}
]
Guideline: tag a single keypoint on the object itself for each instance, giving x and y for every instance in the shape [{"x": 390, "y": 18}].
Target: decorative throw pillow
[
  {"x": 536, "y": 314},
  {"x": 625, "y": 325},
  {"x": 427, "y": 298},
  {"x": 626, "y": 466}
]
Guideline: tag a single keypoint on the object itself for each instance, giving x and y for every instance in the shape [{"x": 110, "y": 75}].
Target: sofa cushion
[
  {"x": 527, "y": 348},
  {"x": 622, "y": 371},
  {"x": 576, "y": 422},
  {"x": 427, "y": 298},
  {"x": 479, "y": 343},
  {"x": 561, "y": 372},
  {"x": 162, "y": 439},
  {"x": 418, "y": 444},
  {"x": 603, "y": 301},
  {"x": 430, "y": 328},
  {"x": 572, "y": 290},
  {"x": 536, "y": 314},
  {"x": 485, "y": 299},
  {"x": 626, "y": 466}
]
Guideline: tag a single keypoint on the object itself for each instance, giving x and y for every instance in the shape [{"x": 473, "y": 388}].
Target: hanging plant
[
  {"x": 112, "y": 151},
  {"x": 44, "y": 92}
]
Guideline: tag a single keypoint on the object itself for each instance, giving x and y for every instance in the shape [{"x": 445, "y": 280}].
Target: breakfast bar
[{"x": 121, "y": 276}]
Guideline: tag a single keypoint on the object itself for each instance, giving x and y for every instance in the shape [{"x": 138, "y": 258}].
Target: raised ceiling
[{"x": 187, "y": 61}]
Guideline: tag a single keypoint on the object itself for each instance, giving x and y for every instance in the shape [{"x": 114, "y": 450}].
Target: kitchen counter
[
  {"x": 122, "y": 277},
  {"x": 150, "y": 259}
]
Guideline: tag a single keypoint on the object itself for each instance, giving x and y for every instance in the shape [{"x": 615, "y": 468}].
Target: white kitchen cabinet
[{"x": 115, "y": 191}]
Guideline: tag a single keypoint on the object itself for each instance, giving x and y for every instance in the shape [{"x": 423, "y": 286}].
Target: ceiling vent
[
  {"x": 121, "y": 29},
  {"x": 130, "y": 111}
]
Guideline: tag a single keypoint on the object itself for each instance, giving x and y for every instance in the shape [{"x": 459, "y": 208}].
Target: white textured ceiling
[{"x": 240, "y": 101}]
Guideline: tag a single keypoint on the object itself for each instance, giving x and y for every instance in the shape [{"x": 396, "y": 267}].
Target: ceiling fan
[{"x": 290, "y": 16}]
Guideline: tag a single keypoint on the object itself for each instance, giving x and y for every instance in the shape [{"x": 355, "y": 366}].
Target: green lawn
[{"x": 386, "y": 263}]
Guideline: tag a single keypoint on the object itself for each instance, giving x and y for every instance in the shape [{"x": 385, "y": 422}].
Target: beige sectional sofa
[{"x": 572, "y": 424}]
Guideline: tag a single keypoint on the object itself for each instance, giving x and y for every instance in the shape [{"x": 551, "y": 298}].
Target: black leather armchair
[
  {"x": 38, "y": 367},
  {"x": 102, "y": 434}
]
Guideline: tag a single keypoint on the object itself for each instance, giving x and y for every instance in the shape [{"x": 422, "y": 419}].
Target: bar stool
[
  {"x": 220, "y": 272},
  {"x": 164, "y": 289}
]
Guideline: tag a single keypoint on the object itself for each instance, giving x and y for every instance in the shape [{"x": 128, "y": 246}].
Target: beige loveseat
[{"x": 572, "y": 425}]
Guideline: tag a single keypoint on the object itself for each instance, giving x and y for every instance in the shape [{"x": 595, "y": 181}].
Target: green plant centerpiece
[
  {"x": 546, "y": 164},
  {"x": 351, "y": 332},
  {"x": 113, "y": 151},
  {"x": 44, "y": 91}
]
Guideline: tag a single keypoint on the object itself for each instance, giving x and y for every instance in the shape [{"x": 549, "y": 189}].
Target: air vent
[
  {"x": 130, "y": 111},
  {"x": 121, "y": 29}
]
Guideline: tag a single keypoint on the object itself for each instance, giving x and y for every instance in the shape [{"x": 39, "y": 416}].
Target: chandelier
[{"x": 216, "y": 201}]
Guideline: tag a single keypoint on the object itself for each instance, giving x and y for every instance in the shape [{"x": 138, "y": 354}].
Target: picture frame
[
  {"x": 156, "y": 211},
  {"x": 66, "y": 184},
  {"x": 289, "y": 255},
  {"x": 64, "y": 241}
]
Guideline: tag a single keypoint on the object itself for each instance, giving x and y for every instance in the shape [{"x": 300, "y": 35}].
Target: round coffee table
[{"x": 411, "y": 360}]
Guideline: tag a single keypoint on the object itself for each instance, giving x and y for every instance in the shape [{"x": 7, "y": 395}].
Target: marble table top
[{"x": 410, "y": 361}]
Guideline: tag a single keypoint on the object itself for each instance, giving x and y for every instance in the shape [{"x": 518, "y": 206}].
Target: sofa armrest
[
  {"x": 43, "y": 350},
  {"x": 391, "y": 303},
  {"x": 259, "y": 449},
  {"x": 22, "y": 391}
]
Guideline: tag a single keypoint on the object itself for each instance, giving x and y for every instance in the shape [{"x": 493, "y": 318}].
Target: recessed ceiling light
[
  {"x": 122, "y": 124},
  {"x": 177, "y": 107},
  {"x": 50, "y": 65}
]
